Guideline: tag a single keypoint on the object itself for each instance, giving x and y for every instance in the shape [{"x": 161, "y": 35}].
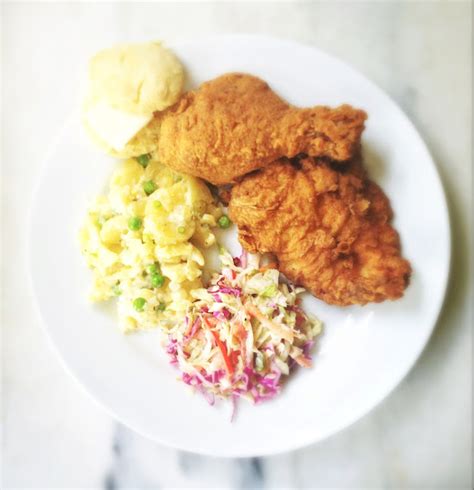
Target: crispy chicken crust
[
  {"x": 328, "y": 226},
  {"x": 235, "y": 124}
]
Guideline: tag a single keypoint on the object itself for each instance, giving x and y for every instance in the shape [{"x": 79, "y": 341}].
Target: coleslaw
[{"x": 244, "y": 333}]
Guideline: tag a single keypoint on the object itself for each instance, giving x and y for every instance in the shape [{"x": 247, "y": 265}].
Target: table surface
[{"x": 54, "y": 435}]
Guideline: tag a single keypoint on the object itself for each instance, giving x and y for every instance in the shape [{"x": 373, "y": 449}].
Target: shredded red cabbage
[
  {"x": 194, "y": 329},
  {"x": 228, "y": 290}
]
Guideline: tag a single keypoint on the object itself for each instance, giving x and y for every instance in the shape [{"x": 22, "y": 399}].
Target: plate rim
[{"x": 302, "y": 442}]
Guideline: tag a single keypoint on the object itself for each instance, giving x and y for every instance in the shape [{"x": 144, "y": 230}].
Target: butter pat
[{"x": 113, "y": 126}]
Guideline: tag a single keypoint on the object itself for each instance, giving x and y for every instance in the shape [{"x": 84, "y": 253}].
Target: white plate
[{"x": 364, "y": 352}]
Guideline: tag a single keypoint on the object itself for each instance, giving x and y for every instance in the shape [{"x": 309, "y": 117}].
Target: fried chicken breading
[
  {"x": 235, "y": 124},
  {"x": 328, "y": 226}
]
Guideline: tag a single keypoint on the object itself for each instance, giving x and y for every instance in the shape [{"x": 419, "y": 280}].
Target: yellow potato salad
[{"x": 143, "y": 242}]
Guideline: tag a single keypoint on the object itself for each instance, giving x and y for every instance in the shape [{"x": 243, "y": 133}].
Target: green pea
[
  {"x": 135, "y": 223},
  {"x": 152, "y": 269},
  {"x": 143, "y": 159},
  {"x": 181, "y": 229},
  {"x": 157, "y": 280},
  {"x": 157, "y": 204},
  {"x": 149, "y": 187},
  {"x": 139, "y": 304},
  {"x": 161, "y": 307},
  {"x": 224, "y": 222}
]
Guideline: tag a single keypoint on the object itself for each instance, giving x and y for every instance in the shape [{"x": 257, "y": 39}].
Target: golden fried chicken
[
  {"x": 329, "y": 227},
  {"x": 235, "y": 124}
]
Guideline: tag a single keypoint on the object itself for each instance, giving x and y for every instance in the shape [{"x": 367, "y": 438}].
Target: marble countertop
[{"x": 54, "y": 435}]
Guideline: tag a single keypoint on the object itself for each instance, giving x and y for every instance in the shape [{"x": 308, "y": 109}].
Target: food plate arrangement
[{"x": 359, "y": 355}]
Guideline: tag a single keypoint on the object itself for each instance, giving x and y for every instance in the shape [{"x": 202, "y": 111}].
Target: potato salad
[{"x": 143, "y": 241}]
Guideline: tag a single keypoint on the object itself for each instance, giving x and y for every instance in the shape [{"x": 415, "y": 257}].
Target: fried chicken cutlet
[
  {"x": 235, "y": 124},
  {"x": 329, "y": 227}
]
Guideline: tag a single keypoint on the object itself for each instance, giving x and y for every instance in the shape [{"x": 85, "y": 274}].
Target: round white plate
[{"x": 364, "y": 352}]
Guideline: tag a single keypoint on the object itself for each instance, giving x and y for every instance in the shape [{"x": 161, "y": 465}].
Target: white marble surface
[{"x": 54, "y": 436}]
